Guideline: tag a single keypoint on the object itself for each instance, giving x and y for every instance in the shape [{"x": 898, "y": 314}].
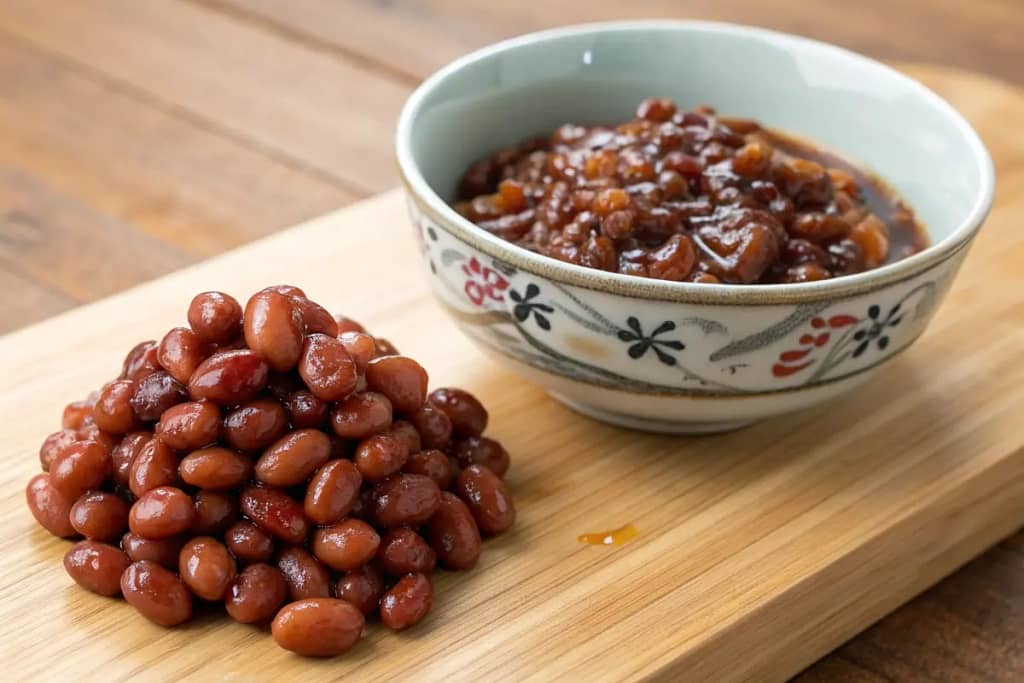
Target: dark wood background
[{"x": 137, "y": 137}]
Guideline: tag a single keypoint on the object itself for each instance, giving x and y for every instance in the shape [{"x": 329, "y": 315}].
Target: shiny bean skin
[
  {"x": 401, "y": 379},
  {"x": 215, "y": 317},
  {"x": 113, "y": 410},
  {"x": 161, "y": 513},
  {"x": 487, "y": 498},
  {"x": 164, "y": 551},
  {"x": 305, "y": 411},
  {"x": 229, "y": 377},
  {"x": 91, "y": 432},
  {"x": 305, "y": 576},
  {"x": 434, "y": 426},
  {"x": 181, "y": 351},
  {"x": 403, "y": 551},
  {"x": 248, "y": 542},
  {"x": 407, "y": 434},
  {"x": 75, "y": 414},
  {"x": 346, "y": 324},
  {"x": 215, "y": 469},
  {"x": 158, "y": 594},
  {"x": 188, "y": 426},
  {"x": 318, "y": 627},
  {"x": 346, "y": 545},
  {"x": 276, "y": 513},
  {"x": 124, "y": 453},
  {"x": 51, "y": 509},
  {"x": 287, "y": 290},
  {"x": 254, "y": 426},
  {"x": 326, "y": 368},
  {"x": 479, "y": 450},
  {"x": 293, "y": 458},
  {"x": 256, "y": 594},
  {"x": 468, "y": 416},
  {"x": 54, "y": 444},
  {"x": 332, "y": 492},
  {"x": 361, "y": 415},
  {"x": 433, "y": 464},
  {"x": 96, "y": 566},
  {"x": 274, "y": 329},
  {"x": 100, "y": 516},
  {"x": 379, "y": 456},
  {"x": 215, "y": 512},
  {"x": 79, "y": 467},
  {"x": 154, "y": 394},
  {"x": 315, "y": 318},
  {"x": 362, "y": 587},
  {"x": 206, "y": 567},
  {"x": 453, "y": 534},
  {"x": 407, "y": 602},
  {"x": 155, "y": 465},
  {"x": 404, "y": 500},
  {"x": 385, "y": 347},
  {"x": 140, "y": 361},
  {"x": 360, "y": 346}
]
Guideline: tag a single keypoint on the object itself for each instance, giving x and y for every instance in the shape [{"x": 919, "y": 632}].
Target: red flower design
[
  {"x": 483, "y": 283},
  {"x": 795, "y": 360}
]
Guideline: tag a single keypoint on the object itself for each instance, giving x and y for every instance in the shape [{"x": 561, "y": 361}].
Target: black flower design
[
  {"x": 640, "y": 343},
  {"x": 524, "y": 308},
  {"x": 431, "y": 233},
  {"x": 875, "y": 332}
]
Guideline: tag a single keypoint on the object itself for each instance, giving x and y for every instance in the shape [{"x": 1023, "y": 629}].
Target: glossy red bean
[
  {"x": 54, "y": 444},
  {"x": 332, "y": 492},
  {"x": 155, "y": 465},
  {"x": 318, "y": 627},
  {"x": 326, "y": 368},
  {"x": 385, "y": 347},
  {"x": 453, "y": 534},
  {"x": 407, "y": 434},
  {"x": 113, "y": 410},
  {"x": 407, "y": 602},
  {"x": 75, "y": 414},
  {"x": 124, "y": 453},
  {"x": 276, "y": 513},
  {"x": 164, "y": 551},
  {"x": 96, "y": 566},
  {"x": 433, "y": 464},
  {"x": 106, "y": 440},
  {"x": 154, "y": 394},
  {"x": 479, "y": 450},
  {"x": 140, "y": 361},
  {"x": 229, "y": 377},
  {"x": 215, "y": 512},
  {"x": 360, "y": 346},
  {"x": 361, "y": 587},
  {"x": 181, "y": 351},
  {"x": 305, "y": 411},
  {"x": 274, "y": 329},
  {"x": 161, "y": 513},
  {"x": 293, "y": 458},
  {"x": 215, "y": 468},
  {"x": 379, "y": 456},
  {"x": 315, "y": 318},
  {"x": 361, "y": 415},
  {"x": 434, "y": 426},
  {"x": 405, "y": 500},
  {"x": 305, "y": 576},
  {"x": 100, "y": 516},
  {"x": 487, "y": 498},
  {"x": 51, "y": 509},
  {"x": 346, "y": 545},
  {"x": 256, "y": 594},
  {"x": 346, "y": 324},
  {"x": 468, "y": 416},
  {"x": 158, "y": 594},
  {"x": 401, "y": 379},
  {"x": 188, "y": 426},
  {"x": 403, "y": 551},
  {"x": 215, "y": 317},
  {"x": 255, "y": 425},
  {"x": 287, "y": 290},
  {"x": 248, "y": 542},
  {"x": 206, "y": 567},
  {"x": 79, "y": 467}
]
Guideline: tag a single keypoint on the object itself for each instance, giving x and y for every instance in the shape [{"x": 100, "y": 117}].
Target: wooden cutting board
[{"x": 758, "y": 551}]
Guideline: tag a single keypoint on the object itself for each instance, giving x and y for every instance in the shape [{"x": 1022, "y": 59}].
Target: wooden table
[{"x": 139, "y": 137}]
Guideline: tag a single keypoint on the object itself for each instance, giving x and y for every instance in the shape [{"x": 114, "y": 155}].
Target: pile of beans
[
  {"x": 279, "y": 461},
  {"x": 689, "y": 196}
]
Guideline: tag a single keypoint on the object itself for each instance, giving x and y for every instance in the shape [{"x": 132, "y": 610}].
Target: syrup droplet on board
[{"x": 618, "y": 536}]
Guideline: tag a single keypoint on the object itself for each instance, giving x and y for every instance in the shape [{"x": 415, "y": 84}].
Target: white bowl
[{"x": 682, "y": 357}]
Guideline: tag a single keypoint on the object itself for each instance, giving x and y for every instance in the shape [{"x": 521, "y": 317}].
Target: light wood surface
[{"x": 759, "y": 551}]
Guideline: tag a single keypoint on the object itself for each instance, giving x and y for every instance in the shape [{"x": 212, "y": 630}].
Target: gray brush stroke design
[
  {"x": 794, "y": 320},
  {"x": 450, "y": 256},
  {"x": 706, "y": 326}
]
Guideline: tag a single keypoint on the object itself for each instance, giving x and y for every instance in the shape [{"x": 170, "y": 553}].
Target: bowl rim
[{"x": 431, "y": 203}]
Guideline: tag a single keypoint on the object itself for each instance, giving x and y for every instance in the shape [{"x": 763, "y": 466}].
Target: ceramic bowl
[{"x": 681, "y": 357}]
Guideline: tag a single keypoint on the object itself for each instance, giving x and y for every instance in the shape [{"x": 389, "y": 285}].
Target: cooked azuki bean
[
  {"x": 79, "y": 467},
  {"x": 161, "y": 513},
  {"x": 468, "y": 416},
  {"x": 361, "y": 415},
  {"x": 287, "y": 290},
  {"x": 401, "y": 379},
  {"x": 380, "y": 455},
  {"x": 113, "y": 410},
  {"x": 315, "y": 318},
  {"x": 100, "y": 516},
  {"x": 140, "y": 361},
  {"x": 274, "y": 329},
  {"x": 346, "y": 545},
  {"x": 332, "y": 492},
  {"x": 215, "y": 512},
  {"x": 124, "y": 453},
  {"x": 407, "y": 434},
  {"x": 434, "y": 426},
  {"x": 48, "y": 506},
  {"x": 479, "y": 450},
  {"x": 256, "y": 594},
  {"x": 155, "y": 465},
  {"x": 360, "y": 346},
  {"x": 487, "y": 498},
  {"x": 403, "y": 551},
  {"x": 75, "y": 414},
  {"x": 305, "y": 576},
  {"x": 305, "y": 410},
  {"x": 362, "y": 587},
  {"x": 158, "y": 594},
  {"x": 106, "y": 440},
  {"x": 229, "y": 377},
  {"x": 385, "y": 348},
  {"x": 255, "y": 425},
  {"x": 405, "y": 500},
  {"x": 346, "y": 324},
  {"x": 181, "y": 351},
  {"x": 407, "y": 602},
  {"x": 433, "y": 464},
  {"x": 215, "y": 317},
  {"x": 453, "y": 533},
  {"x": 248, "y": 542},
  {"x": 154, "y": 394},
  {"x": 96, "y": 566},
  {"x": 326, "y": 368},
  {"x": 318, "y": 627},
  {"x": 206, "y": 567},
  {"x": 188, "y": 426},
  {"x": 293, "y": 458},
  {"x": 215, "y": 468},
  {"x": 276, "y": 513},
  {"x": 164, "y": 551},
  {"x": 54, "y": 444}
]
